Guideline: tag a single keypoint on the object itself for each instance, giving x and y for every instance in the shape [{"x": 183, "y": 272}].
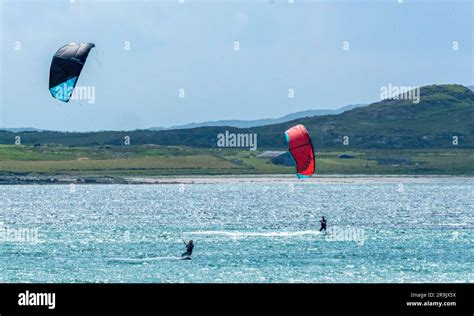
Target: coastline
[{"x": 213, "y": 179}]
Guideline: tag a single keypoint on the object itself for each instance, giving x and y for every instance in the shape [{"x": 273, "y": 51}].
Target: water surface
[{"x": 414, "y": 230}]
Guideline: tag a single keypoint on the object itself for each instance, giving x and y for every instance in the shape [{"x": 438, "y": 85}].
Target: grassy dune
[{"x": 160, "y": 160}]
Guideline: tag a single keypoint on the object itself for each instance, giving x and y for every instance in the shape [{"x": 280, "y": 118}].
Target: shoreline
[{"x": 216, "y": 179}]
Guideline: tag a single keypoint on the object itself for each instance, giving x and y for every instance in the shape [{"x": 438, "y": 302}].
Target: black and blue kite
[{"x": 65, "y": 69}]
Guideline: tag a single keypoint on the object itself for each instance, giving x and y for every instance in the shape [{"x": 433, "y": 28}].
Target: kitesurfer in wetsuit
[
  {"x": 323, "y": 224},
  {"x": 189, "y": 249}
]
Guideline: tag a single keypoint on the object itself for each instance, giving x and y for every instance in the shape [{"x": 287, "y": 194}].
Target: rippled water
[{"x": 409, "y": 230}]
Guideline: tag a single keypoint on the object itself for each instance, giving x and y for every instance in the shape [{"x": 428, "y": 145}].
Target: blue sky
[{"x": 190, "y": 46}]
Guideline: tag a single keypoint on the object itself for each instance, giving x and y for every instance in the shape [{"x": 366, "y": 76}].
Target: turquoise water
[{"x": 408, "y": 230}]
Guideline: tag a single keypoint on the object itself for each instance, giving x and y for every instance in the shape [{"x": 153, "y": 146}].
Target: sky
[{"x": 165, "y": 63}]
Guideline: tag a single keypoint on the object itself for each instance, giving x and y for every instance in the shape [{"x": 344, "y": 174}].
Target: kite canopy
[
  {"x": 65, "y": 69},
  {"x": 301, "y": 148}
]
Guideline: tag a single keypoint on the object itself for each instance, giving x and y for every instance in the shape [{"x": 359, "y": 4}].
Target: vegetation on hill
[
  {"x": 444, "y": 111},
  {"x": 386, "y": 137}
]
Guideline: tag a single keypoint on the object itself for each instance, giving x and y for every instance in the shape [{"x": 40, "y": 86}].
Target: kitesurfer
[
  {"x": 323, "y": 224},
  {"x": 189, "y": 249}
]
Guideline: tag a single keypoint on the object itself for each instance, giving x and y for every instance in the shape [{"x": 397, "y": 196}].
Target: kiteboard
[{"x": 141, "y": 260}]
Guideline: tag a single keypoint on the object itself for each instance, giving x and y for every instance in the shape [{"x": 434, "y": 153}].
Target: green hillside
[
  {"x": 386, "y": 137},
  {"x": 444, "y": 111}
]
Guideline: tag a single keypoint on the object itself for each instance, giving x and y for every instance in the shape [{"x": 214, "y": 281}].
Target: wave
[
  {"x": 243, "y": 234},
  {"x": 142, "y": 260}
]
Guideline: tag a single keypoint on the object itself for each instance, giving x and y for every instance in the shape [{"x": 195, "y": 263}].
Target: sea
[{"x": 245, "y": 230}]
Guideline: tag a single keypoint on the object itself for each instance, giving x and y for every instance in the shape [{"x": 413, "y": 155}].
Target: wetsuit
[
  {"x": 189, "y": 250},
  {"x": 323, "y": 225}
]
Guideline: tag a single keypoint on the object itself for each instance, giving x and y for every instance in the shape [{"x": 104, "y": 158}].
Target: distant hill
[
  {"x": 262, "y": 122},
  {"x": 444, "y": 111},
  {"x": 21, "y": 129}
]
